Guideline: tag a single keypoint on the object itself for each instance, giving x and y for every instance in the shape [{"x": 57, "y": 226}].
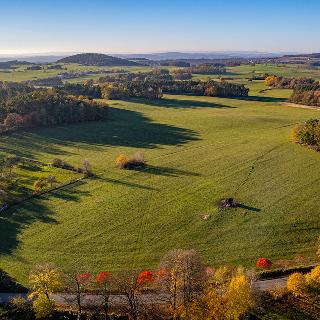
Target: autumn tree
[
  {"x": 39, "y": 185},
  {"x": 238, "y": 296},
  {"x": 51, "y": 180},
  {"x": 313, "y": 279},
  {"x": 227, "y": 296},
  {"x": 103, "y": 280},
  {"x": 86, "y": 168},
  {"x": 297, "y": 284},
  {"x": 76, "y": 284},
  {"x": 181, "y": 275},
  {"x": 129, "y": 284},
  {"x": 44, "y": 280},
  {"x": 270, "y": 80}
]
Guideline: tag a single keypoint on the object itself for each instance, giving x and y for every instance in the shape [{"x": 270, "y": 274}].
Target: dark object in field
[
  {"x": 134, "y": 164},
  {"x": 137, "y": 161},
  {"x": 228, "y": 203}
]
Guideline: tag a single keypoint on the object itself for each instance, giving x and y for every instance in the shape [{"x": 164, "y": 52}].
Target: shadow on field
[
  {"x": 19, "y": 217},
  {"x": 169, "y": 172},
  {"x": 127, "y": 184},
  {"x": 243, "y": 206},
  {"x": 182, "y": 104},
  {"x": 123, "y": 128},
  {"x": 261, "y": 99}
]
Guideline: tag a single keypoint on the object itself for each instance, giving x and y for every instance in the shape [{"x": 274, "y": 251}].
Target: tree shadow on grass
[
  {"x": 169, "y": 172},
  {"x": 124, "y": 128},
  {"x": 127, "y": 183},
  {"x": 182, "y": 104},
  {"x": 17, "y": 218},
  {"x": 249, "y": 208},
  {"x": 261, "y": 99}
]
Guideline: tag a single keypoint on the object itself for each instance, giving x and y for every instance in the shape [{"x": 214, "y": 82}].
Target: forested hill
[{"x": 97, "y": 59}]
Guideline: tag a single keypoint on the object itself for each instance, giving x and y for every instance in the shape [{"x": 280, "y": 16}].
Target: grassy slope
[{"x": 200, "y": 149}]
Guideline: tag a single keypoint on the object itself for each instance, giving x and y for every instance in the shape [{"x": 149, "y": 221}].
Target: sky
[{"x": 140, "y": 26}]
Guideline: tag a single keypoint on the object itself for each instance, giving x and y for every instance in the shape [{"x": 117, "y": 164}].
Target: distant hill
[
  {"x": 97, "y": 59},
  {"x": 12, "y": 64},
  {"x": 200, "y": 55}
]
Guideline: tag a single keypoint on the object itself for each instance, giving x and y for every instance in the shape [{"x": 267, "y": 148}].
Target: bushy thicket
[
  {"x": 139, "y": 89},
  {"x": 46, "y": 82},
  {"x": 206, "y": 69},
  {"x": 308, "y": 95},
  {"x": 181, "y": 74},
  {"x": 24, "y": 106},
  {"x": 289, "y": 83},
  {"x": 308, "y": 133},
  {"x": 151, "y": 85},
  {"x": 206, "y": 88},
  {"x": 174, "y": 63}
]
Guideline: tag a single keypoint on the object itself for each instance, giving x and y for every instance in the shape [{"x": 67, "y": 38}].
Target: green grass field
[
  {"x": 24, "y": 174},
  {"x": 199, "y": 150}
]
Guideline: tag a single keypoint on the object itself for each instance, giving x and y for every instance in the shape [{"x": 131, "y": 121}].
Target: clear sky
[{"x": 123, "y": 26}]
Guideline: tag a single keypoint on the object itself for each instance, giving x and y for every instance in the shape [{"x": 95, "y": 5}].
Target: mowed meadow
[{"x": 198, "y": 150}]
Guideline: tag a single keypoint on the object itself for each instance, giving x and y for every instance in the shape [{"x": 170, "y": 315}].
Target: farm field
[{"x": 199, "y": 150}]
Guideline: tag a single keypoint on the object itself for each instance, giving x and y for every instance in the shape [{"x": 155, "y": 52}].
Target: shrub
[
  {"x": 313, "y": 279},
  {"x": 120, "y": 161},
  {"x": 40, "y": 185},
  {"x": 43, "y": 307},
  {"x": 308, "y": 133},
  {"x": 296, "y": 284},
  {"x": 136, "y": 161},
  {"x": 263, "y": 263}
]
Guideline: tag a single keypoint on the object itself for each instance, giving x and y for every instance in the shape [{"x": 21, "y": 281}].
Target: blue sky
[{"x": 32, "y": 26}]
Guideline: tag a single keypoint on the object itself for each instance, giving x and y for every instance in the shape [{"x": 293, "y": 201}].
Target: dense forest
[
  {"x": 206, "y": 69},
  {"x": 24, "y": 106},
  {"x": 151, "y": 86},
  {"x": 97, "y": 59},
  {"x": 308, "y": 95},
  {"x": 288, "y": 83}
]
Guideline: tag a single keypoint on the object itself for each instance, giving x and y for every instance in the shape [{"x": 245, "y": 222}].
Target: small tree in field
[
  {"x": 86, "y": 168},
  {"x": 44, "y": 280},
  {"x": 40, "y": 185},
  {"x": 51, "y": 180},
  {"x": 104, "y": 286}
]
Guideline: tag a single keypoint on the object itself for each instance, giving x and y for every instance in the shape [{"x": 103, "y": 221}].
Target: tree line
[
  {"x": 182, "y": 287},
  {"x": 289, "y": 82},
  {"x": 306, "y": 94},
  {"x": 25, "y": 106},
  {"x": 152, "y": 85}
]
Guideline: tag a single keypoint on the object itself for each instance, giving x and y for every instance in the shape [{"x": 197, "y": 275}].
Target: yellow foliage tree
[
  {"x": 313, "y": 279},
  {"x": 43, "y": 307},
  {"x": 210, "y": 306},
  {"x": 238, "y": 296},
  {"x": 120, "y": 161},
  {"x": 270, "y": 80},
  {"x": 227, "y": 297},
  {"x": 44, "y": 280},
  {"x": 297, "y": 284}
]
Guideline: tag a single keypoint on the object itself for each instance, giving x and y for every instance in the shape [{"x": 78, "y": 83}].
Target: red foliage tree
[
  {"x": 103, "y": 277},
  {"x": 263, "y": 263},
  {"x": 145, "y": 277},
  {"x": 84, "y": 278}
]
